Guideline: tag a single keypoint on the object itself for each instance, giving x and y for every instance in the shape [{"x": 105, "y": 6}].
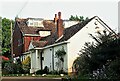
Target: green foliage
[
  {"x": 6, "y": 36},
  {"x": 8, "y": 67},
  {"x": 78, "y": 18},
  {"x": 100, "y": 59},
  {"x": 26, "y": 64},
  {"x": 60, "y": 55},
  {"x": 40, "y": 72}
]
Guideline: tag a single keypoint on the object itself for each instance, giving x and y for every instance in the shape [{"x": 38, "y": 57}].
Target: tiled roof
[
  {"x": 39, "y": 43},
  {"x": 48, "y": 25},
  {"x": 68, "y": 33}
]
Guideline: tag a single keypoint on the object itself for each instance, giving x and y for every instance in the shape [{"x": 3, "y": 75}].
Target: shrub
[
  {"x": 40, "y": 72},
  {"x": 46, "y": 70},
  {"x": 26, "y": 64}
]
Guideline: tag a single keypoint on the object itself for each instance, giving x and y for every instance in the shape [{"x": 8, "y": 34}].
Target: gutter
[
  {"x": 56, "y": 44},
  {"x": 25, "y": 53}
]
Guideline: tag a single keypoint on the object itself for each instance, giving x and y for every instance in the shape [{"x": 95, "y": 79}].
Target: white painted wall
[
  {"x": 47, "y": 54},
  {"x": 33, "y": 62},
  {"x": 72, "y": 49},
  {"x": 78, "y": 40}
]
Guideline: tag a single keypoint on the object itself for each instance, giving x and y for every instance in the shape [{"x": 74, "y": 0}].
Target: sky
[{"x": 107, "y": 10}]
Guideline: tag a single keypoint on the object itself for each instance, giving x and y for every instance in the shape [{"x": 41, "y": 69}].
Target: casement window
[
  {"x": 35, "y": 23},
  {"x": 31, "y": 24}
]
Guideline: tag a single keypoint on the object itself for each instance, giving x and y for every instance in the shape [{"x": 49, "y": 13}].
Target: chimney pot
[
  {"x": 55, "y": 19},
  {"x": 55, "y": 15},
  {"x": 59, "y": 15}
]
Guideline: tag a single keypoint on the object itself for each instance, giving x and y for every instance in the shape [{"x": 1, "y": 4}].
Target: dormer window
[
  {"x": 44, "y": 33},
  {"x": 35, "y": 22},
  {"x": 31, "y": 24}
]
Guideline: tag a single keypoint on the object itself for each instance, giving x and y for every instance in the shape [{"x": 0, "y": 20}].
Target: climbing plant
[{"x": 60, "y": 53}]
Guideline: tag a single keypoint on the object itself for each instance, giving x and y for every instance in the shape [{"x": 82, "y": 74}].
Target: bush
[
  {"x": 40, "y": 72},
  {"x": 46, "y": 70},
  {"x": 26, "y": 64}
]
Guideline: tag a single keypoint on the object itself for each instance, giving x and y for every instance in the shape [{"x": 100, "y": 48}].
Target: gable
[
  {"x": 90, "y": 26},
  {"x": 93, "y": 27},
  {"x": 71, "y": 31},
  {"x": 94, "y": 24}
]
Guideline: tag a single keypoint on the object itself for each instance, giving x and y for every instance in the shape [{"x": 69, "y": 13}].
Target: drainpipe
[
  {"x": 41, "y": 58},
  {"x": 53, "y": 58}
]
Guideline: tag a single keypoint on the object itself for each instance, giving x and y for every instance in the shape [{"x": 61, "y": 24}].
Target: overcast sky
[{"x": 106, "y": 10}]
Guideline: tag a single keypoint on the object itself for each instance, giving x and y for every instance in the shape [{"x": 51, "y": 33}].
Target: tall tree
[
  {"x": 100, "y": 59},
  {"x": 6, "y": 36}
]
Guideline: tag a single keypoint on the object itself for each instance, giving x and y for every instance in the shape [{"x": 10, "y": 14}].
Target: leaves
[
  {"x": 26, "y": 64},
  {"x": 78, "y": 18},
  {"x": 6, "y": 36},
  {"x": 60, "y": 53},
  {"x": 104, "y": 52}
]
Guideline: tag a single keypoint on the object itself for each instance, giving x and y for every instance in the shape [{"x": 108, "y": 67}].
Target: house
[
  {"x": 32, "y": 29},
  {"x": 71, "y": 39},
  {"x": 29, "y": 29}
]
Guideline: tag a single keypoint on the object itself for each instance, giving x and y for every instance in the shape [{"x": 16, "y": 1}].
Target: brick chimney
[
  {"x": 55, "y": 19},
  {"x": 60, "y": 27}
]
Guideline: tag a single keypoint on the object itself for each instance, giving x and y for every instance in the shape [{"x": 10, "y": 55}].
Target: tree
[
  {"x": 78, "y": 18},
  {"x": 100, "y": 58},
  {"x": 60, "y": 55},
  {"x": 6, "y": 36}
]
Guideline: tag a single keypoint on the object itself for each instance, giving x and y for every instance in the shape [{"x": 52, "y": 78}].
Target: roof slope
[
  {"x": 71, "y": 31},
  {"x": 68, "y": 32},
  {"x": 39, "y": 43},
  {"x": 22, "y": 24}
]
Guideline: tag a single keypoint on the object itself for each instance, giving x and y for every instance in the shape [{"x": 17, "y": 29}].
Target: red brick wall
[
  {"x": 18, "y": 48},
  {"x": 27, "y": 40}
]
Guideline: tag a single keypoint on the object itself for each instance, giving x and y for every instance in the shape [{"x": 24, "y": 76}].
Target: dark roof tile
[
  {"x": 69, "y": 32},
  {"x": 39, "y": 43},
  {"x": 48, "y": 25}
]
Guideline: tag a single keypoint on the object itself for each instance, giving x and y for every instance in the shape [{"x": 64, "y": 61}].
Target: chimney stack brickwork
[
  {"x": 60, "y": 27},
  {"x": 55, "y": 19}
]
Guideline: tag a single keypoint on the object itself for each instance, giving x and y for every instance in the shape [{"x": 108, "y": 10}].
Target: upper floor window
[
  {"x": 31, "y": 23},
  {"x": 35, "y": 23}
]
